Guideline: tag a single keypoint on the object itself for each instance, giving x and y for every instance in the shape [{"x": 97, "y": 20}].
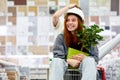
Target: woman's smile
[{"x": 72, "y": 23}]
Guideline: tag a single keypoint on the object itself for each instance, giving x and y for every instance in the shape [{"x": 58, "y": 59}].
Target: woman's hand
[
  {"x": 72, "y": 5},
  {"x": 76, "y": 60},
  {"x": 79, "y": 57},
  {"x": 73, "y": 62}
]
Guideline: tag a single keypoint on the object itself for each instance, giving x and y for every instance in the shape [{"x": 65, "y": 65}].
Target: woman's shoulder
[
  {"x": 93, "y": 47},
  {"x": 60, "y": 36}
]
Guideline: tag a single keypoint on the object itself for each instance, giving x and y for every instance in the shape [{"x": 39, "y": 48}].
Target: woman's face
[{"x": 72, "y": 23}]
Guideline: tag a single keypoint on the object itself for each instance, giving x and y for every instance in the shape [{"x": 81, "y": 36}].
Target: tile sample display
[
  {"x": 11, "y": 31},
  {"x": 43, "y": 11},
  {"x": 11, "y": 11},
  {"x": 43, "y": 40},
  {"x": 3, "y": 8},
  {"x": 43, "y": 25},
  {"x": 22, "y": 50},
  {"x": 2, "y": 40},
  {"x": 38, "y": 50},
  {"x": 20, "y": 2},
  {"x": 10, "y": 3},
  {"x": 2, "y": 20},
  {"x": 22, "y": 40},
  {"x": 22, "y": 26},
  {"x": 22, "y": 11},
  {"x": 3, "y": 30},
  {"x": 32, "y": 40},
  {"x": 11, "y": 40},
  {"x": 11, "y": 50},
  {"x": 52, "y": 9},
  {"x": 32, "y": 11},
  {"x": 74, "y": 1},
  {"x": 104, "y": 20},
  {"x": 94, "y": 19},
  {"x": 2, "y": 50},
  {"x": 41, "y": 2},
  {"x": 26, "y": 25},
  {"x": 12, "y": 16},
  {"x": 51, "y": 48},
  {"x": 116, "y": 29},
  {"x": 32, "y": 29},
  {"x": 11, "y": 21}
]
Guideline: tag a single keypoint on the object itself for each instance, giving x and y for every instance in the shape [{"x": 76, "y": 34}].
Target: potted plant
[{"x": 88, "y": 37}]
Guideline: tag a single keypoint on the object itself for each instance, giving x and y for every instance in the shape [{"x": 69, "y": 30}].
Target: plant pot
[{"x": 72, "y": 52}]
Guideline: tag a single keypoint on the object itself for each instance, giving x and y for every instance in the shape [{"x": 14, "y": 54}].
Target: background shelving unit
[{"x": 26, "y": 29}]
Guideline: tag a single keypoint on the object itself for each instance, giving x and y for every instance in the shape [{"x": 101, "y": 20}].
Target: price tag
[
  {"x": 21, "y": 14},
  {"x": 9, "y": 43},
  {"x": 51, "y": 3},
  {"x": 31, "y": 3},
  {"x": 31, "y": 13},
  {"x": 30, "y": 33},
  {"x": 30, "y": 43},
  {"x": 61, "y": 3},
  {"x": 9, "y": 23},
  {"x": 1, "y": 14},
  {"x": 10, "y": 3},
  {"x": 10, "y": 14}
]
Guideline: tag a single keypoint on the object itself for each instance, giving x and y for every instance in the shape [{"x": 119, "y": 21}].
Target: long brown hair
[{"x": 69, "y": 38}]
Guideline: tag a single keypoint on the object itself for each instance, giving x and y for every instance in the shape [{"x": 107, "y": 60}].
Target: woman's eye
[
  {"x": 73, "y": 19},
  {"x": 67, "y": 20}
]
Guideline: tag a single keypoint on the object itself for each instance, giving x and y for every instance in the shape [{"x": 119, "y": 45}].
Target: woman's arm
[
  {"x": 94, "y": 53},
  {"x": 73, "y": 62},
  {"x": 59, "y": 48},
  {"x": 60, "y": 12}
]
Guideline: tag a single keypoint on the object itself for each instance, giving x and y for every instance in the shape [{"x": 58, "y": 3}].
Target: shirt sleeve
[
  {"x": 59, "y": 47},
  {"x": 59, "y": 27},
  {"x": 94, "y": 53}
]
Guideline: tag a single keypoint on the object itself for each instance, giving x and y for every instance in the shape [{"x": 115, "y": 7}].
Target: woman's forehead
[{"x": 72, "y": 16}]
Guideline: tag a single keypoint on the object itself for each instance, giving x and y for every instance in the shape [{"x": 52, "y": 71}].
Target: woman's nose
[{"x": 70, "y": 21}]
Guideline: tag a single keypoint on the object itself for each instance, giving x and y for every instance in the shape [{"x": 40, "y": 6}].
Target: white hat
[{"x": 76, "y": 11}]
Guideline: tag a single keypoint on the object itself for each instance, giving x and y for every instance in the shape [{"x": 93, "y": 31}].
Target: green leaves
[{"x": 89, "y": 36}]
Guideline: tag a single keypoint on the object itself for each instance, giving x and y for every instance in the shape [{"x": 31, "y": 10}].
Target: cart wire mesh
[{"x": 72, "y": 74}]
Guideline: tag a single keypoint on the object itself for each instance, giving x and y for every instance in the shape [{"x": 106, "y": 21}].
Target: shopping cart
[
  {"x": 74, "y": 74},
  {"x": 102, "y": 74}
]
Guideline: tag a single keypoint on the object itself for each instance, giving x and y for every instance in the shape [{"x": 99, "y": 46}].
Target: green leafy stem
[{"x": 89, "y": 36}]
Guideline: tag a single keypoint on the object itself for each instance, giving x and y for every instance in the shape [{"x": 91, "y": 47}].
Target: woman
[
  {"x": 74, "y": 17},
  {"x": 58, "y": 18}
]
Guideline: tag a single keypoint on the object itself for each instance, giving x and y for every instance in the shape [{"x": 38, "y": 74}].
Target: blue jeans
[{"x": 58, "y": 68}]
